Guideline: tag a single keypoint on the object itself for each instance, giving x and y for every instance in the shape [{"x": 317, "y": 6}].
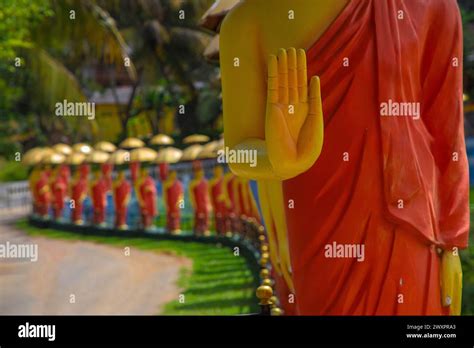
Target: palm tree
[
  {"x": 167, "y": 45},
  {"x": 73, "y": 35}
]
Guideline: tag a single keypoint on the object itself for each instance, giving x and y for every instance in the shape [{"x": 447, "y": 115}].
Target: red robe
[
  {"x": 79, "y": 191},
  {"x": 43, "y": 194},
  {"x": 163, "y": 169},
  {"x": 84, "y": 169},
  {"x": 65, "y": 172},
  {"x": 173, "y": 212},
  {"x": 148, "y": 195},
  {"x": 400, "y": 193},
  {"x": 221, "y": 218},
  {"x": 121, "y": 194},
  {"x": 233, "y": 210},
  {"x": 59, "y": 189},
  {"x": 201, "y": 209},
  {"x": 107, "y": 169},
  {"x": 134, "y": 169},
  {"x": 99, "y": 200}
]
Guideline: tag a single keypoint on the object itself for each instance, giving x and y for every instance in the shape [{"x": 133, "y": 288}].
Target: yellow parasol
[
  {"x": 33, "y": 156},
  {"x": 161, "y": 139},
  {"x": 196, "y": 138},
  {"x": 132, "y": 143},
  {"x": 191, "y": 152},
  {"x": 120, "y": 157},
  {"x": 105, "y": 146},
  {"x": 53, "y": 158},
  {"x": 169, "y": 155},
  {"x": 76, "y": 158},
  {"x": 65, "y": 149},
  {"x": 143, "y": 154},
  {"x": 210, "y": 149},
  {"x": 82, "y": 147},
  {"x": 97, "y": 157}
]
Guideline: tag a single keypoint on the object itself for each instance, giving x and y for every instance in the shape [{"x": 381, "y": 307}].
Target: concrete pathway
[{"x": 76, "y": 277}]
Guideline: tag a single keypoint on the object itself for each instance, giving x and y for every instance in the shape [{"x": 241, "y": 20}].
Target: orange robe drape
[
  {"x": 397, "y": 185},
  {"x": 121, "y": 195},
  {"x": 173, "y": 211}
]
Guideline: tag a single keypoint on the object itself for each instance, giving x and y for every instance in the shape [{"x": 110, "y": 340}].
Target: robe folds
[{"x": 397, "y": 184}]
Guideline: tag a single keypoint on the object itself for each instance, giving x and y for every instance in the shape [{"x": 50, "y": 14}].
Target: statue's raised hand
[{"x": 294, "y": 117}]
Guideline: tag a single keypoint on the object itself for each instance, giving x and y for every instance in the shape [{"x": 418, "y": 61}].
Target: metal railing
[{"x": 15, "y": 198}]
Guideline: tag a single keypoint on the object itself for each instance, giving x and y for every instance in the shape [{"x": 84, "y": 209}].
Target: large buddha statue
[{"x": 355, "y": 111}]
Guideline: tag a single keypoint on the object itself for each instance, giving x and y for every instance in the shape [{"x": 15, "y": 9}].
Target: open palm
[{"x": 294, "y": 122}]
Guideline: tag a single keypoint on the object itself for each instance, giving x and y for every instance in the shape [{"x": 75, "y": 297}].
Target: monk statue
[
  {"x": 218, "y": 200},
  {"x": 231, "y": 203},
  {"x": 369, "y": 221},
  {"x": 121, "y": 189},
  {"x": 199, "y": 194},
  {"x": 147, "y": 198},
  {"x": 98, "y": 193},
  {"x": 42, "y": 193},
  {"x": 78, "y": 194},
  {"x": 173, "y": 197},
  {"x": 33, "y": 178},
  {"x": 65, "y": 172},
  {"x": 59, "y": 187},
  {"x": 107, "y": 169}
]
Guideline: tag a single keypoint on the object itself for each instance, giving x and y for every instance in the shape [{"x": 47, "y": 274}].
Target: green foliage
[
  {"x": 12, "y": 171},
  {"x": 467, "y": 13},
  {"x": 467, "y": 262},
  {"x": 218, "y": 284},
  {"x": 17, "y": 18}
]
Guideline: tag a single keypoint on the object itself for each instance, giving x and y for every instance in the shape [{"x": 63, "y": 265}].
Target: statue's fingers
[
  {"x": 272, "y": 82},
  {"x": 447, "y": 283},
  {"x": 315, "y": 105},
  {"x": 302, "y": 75},
  {"x": 282, "y": 76},
  {"x": 457, "y": 295},
  {"x": 292, "y": 76}
]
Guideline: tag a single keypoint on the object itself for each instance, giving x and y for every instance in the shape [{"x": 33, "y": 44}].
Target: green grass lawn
[
  {"x": 221, "y": 283},
  {"x": 218, "y": 284}
]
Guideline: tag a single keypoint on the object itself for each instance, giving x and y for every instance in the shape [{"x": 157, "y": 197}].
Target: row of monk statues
[{"x": 57, "y": 187}]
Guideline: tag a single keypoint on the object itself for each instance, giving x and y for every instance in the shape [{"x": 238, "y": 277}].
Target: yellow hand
[
  {"x": 294, "y": 117},
  {"x": 451, "y": 281}
]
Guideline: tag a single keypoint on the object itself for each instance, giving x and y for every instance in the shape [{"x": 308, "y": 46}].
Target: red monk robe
[
  {"x": 163, "y": 169},
  {"x": 134, "y": 170},
  {"x": 99, "y": 198},
  {"x": 78, "y": 195},
  {"x": 397, "y": 185},
  {"x": 148, "y": 197},
  {"x": 174, "y": 193},
  {"x": 65, "y": 172},
  {"x": 121, "y": 198},
  {"x": 59, "y": 191},
  {"x": 222, "y": 221},
  {"x": 42, "y": 194},
  {"x": 107, "y": 169},
  {"x": 232, "y": 203},
  {"x": 201, "y": 204},
  {"x": 84, "y": 169}
]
